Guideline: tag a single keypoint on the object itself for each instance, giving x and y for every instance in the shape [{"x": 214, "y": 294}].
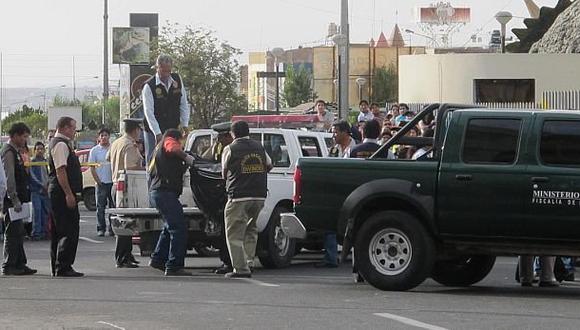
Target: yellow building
[{"x": 323, "y": 61}]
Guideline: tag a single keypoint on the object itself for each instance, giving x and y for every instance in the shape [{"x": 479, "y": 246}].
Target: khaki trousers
[{"x": 242, "y": 232}]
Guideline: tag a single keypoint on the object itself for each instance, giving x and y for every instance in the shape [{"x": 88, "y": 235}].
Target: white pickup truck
[{"x": 275, "y": 249}]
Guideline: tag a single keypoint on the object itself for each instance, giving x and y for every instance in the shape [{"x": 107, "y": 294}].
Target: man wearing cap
[
  {"x": 214, "y": 153},
  {"x": 224, "y": 138},
  {"x": 164, "y": 103},
  {"x": 124, "y": 155}
]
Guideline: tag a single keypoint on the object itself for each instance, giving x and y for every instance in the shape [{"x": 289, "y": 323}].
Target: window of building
[
  {"x": 491, "y": 141},
  {"x": 276, "y": 148},
  {"x": 505, "y": 90},
  {"x": 560, "y": 144},
  {"x": 309, "y": 146}
]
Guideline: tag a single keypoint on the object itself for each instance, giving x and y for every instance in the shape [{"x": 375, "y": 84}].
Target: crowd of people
[{"x": 55, "y": 190}]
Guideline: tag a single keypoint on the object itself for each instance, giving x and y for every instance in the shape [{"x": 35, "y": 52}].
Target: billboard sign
[
  {"x": 444, "y": 14},
  {"x": 131, "y": 45},
  {"x": 55, "y": 113}
]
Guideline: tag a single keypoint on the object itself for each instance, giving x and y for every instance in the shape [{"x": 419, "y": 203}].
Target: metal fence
[{"x": 562, "y": 100}]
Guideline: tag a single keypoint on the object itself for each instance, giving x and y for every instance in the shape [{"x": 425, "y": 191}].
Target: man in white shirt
[
  {"x": 325, "y": 117},
  {"x": 103, "y": 179},
  {"x": 164, "y": 103},
  {"x": 364, "y": 114}
]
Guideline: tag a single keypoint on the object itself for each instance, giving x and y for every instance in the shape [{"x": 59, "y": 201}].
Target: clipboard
[{"x": 24, "y": 214}]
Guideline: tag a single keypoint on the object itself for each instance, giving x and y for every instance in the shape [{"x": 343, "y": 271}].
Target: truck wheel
[
  {"x": 148, "y": 241},
  {"x": 393, "y": 251},
  {"x": 89, "y": 199},
  {"x": 462, "y": 271},
  {"x": 278, "y": 246}
]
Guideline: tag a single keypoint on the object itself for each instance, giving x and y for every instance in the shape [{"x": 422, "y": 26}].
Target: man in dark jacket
[
  {"x": 245, "y": 165},
  {"x": 166, "y": 169},
  {"x": 18, "y": 192},
  {"x": 371, "y": 131}
]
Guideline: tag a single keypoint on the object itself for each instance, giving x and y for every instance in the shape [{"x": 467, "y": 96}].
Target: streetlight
[
  {"x": 435, "y": 42},
  {"x": 503, "y": 17},
  {"x": 277, "y": 52},
  {"x": 360, "y": 82},
  {"x": 341, "y": 41}
]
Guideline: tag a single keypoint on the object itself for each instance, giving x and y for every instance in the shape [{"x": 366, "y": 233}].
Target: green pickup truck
[{"x": 495, "y": 182}]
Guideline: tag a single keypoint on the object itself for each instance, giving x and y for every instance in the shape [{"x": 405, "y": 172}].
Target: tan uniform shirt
[
  {"x": 60, "y": 152},
  {"x": 124, "y": 154}
]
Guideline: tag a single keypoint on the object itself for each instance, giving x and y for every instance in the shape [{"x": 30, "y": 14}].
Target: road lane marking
[
  {"x": 86, "y": 239},
  {"x": 111, "y": 325},
  {"x": 152, "y": 293},
  {"x": 409, "y": 321},
  {"x": 260, "y": 283}
]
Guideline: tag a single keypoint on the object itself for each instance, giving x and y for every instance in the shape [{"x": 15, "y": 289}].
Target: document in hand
[{"x": 24, "y": 214}]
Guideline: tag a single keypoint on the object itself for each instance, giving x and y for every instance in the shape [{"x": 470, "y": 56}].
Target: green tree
[
  {"x": 209, "y": 70},
  {"x": 297, "y": 86},
  {"x": 385, "y": 85},
  {"x": 35, "y": 119},
  {"x": 93, "y": 113}
]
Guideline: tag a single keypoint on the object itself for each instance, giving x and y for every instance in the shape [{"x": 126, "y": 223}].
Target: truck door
[
  {"x": 553, "y": 180},
  {"x": 480, "y": 180}
]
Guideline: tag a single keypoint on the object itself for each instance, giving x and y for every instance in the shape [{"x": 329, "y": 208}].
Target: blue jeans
[
  {"x": 103, "y": 198},
  {"x": 172, "y": 244},
  {"x": 40, "y": 204},
  {"x": 330, "y": 248}
]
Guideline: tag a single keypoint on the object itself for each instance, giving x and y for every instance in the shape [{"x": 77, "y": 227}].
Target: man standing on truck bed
[
  {"x": 245, "y": 165},
  {"x": 65, "y": 185},
  {"x": 166, "y": 168},
  {"x": 164, "y": 103},
  {"x": 124, "y": 155}
]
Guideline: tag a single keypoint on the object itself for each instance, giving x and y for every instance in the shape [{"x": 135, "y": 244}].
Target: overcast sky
[{"x": 40, "y": 37}]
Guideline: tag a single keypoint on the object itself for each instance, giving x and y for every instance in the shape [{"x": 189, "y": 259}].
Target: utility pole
[
  {"x": 344, "y": 60},
  {"x": 74, "y": 81},
  {"x": 105, "y": 58}
]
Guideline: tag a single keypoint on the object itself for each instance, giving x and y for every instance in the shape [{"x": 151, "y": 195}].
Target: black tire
[
  {"x": 279, "y": 248},
  {"x": 462, "y": 271},
  {"x": 89, "y": 199},
  {"x": 147, "y": 242},
  {"x": 406, "y": 263}
]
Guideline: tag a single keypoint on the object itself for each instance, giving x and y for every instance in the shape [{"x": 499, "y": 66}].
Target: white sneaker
[{"x": 101, "y": 233}]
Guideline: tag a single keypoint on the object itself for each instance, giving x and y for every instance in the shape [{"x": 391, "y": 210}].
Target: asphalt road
[{"x": 299, "y": 297}]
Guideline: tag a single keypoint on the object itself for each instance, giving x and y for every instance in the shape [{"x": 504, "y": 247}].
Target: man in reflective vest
[{"x": 245, "y": 165}]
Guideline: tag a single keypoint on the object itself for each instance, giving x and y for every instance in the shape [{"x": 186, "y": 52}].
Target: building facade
[{"x": 486, "y": 78}]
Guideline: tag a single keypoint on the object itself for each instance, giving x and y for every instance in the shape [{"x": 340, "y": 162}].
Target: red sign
[{"x": 278, "y": 121}]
